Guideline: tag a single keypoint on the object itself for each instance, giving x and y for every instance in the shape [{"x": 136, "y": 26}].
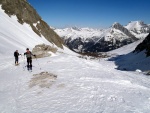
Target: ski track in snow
[{"x": 82, "y": 86}]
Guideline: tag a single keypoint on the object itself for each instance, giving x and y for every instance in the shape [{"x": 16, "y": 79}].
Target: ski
[
  {"x": 17, "y": 64},
  {"x": 29, "y": 68}
]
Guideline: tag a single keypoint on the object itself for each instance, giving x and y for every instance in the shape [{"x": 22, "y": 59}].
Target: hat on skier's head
[{"x": 27, "y": 49}]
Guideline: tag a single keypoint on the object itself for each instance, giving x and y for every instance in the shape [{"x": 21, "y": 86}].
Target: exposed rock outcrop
[
  {"x": 124, "y": 30},
  {"x": 43, "y": 50},
  {"x": 145, "y": 45},
  {"x": 43, "y": 80}
]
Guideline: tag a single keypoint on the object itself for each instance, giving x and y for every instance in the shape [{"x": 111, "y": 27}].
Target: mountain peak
[
  {"x": 121, "y": 28},
  {"x": 135, "y": 24},
  {"x": 75, "y": 28},
  {"x": 116, "y": 25},
  {"x": 138, "y": 26}
]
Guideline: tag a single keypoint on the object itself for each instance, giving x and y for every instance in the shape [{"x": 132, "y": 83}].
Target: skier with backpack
[
  {"x": 29, "y": 58},
  {"x": 16, "y": 55}
]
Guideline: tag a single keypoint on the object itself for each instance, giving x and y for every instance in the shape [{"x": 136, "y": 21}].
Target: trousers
[
  {"x": 29, "y": 62},
  {"x": 16, "y": 60}
]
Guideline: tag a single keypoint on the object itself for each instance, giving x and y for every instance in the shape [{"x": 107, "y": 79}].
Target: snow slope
[
  {"x": 125, "y": 59},
  {"x": 126, "y": 49},
  {"x": 82, "y": 86},
  {"x": 14, "y": 36}
]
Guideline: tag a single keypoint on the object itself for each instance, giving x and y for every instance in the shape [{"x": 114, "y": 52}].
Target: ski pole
[
  {"x": 23, "y": 63},
  {"x": 38, "y": 63}
]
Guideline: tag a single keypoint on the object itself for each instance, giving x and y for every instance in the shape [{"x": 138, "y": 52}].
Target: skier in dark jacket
[
  {"x": 16, "y": 55},
  {"x": 29, "y": 57}
]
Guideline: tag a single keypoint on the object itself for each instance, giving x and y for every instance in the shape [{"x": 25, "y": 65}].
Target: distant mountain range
[{"x": 103, "y": 40}]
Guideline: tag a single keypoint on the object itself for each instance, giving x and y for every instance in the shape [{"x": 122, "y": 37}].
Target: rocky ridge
[{"x": 27, "y": 14}]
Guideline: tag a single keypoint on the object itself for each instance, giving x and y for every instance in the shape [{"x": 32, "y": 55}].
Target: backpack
[{"x": 28, "y": 54}]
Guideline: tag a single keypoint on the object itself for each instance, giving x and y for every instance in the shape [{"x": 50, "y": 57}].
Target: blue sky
[{"x": 91, "y": 13}]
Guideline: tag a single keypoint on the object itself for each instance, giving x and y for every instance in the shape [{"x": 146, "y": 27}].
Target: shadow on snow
[{"x": 131, "y": 62}]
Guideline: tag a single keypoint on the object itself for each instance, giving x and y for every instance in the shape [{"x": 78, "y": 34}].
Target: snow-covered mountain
[
  {"x": 85, "y": 33},
  {"x": 122, "y": 29},
  {"x": 138, "y": 27},
  {"x": 101, "y": 40}
]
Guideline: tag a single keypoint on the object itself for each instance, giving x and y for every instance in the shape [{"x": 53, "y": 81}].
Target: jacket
[
  {"x": 29, "y": 54},
  {"x": 16, "y": 54}
]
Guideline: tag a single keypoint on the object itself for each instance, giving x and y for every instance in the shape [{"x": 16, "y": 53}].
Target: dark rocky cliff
[
  {"x": 27, "y": 14},
  {"x": 124, "y": 30},
  {"x": 145, "y": 45}
]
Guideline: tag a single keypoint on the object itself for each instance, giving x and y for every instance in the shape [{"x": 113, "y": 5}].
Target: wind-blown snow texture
[{"x": 81, "y": 86}]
